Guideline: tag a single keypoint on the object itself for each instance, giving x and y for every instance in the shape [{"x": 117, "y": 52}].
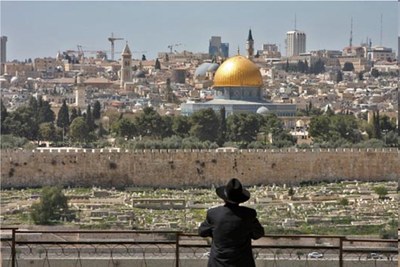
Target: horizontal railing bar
[
  {"x": 94, "y": 232},
  {"x": 161, "y": 242},
  {"x": 267, "y": 246},
  {"x": 383, "y": 250},
  {"x": 284, "y": 236},
  {"x": 370, "y": 240}
]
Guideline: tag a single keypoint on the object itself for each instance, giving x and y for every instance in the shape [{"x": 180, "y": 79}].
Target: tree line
[
  {"x": 203, "y": 129},
  {"x": 37, "y": 122}
]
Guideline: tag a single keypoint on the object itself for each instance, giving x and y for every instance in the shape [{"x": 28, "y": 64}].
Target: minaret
[
  {"x": 126, "y": 65},
  {"x": 80, "y": 95},
  {"x": 250, "y": 46},
  {"x": 351, "y": 34}
]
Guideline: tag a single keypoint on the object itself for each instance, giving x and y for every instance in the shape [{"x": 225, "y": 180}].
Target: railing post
[
  {"x": 177, "y": 249},
  {"x": 13, "y": 252},
  {"x": 341, "y": 251}
]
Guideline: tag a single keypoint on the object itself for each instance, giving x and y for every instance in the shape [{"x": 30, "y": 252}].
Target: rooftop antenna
[
  {"x": 380, "y": 40},
  {"x": 238, "y": 50},
  {"x": 351, "y": 33},
  {"x": 295, "y": 22}
]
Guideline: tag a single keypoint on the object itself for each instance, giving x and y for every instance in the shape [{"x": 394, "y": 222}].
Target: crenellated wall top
[{"x": 219, "y": 150}]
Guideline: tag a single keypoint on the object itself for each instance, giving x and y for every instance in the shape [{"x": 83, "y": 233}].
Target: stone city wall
[{"x": 177, "y": 168}]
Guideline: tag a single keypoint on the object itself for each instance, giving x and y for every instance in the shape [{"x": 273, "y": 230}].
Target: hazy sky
[{"x": 38, "y": 29}]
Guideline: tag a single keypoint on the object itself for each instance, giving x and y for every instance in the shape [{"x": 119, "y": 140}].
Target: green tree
[
  {"x": 301, "y": 66},
  {"x": 346, "y": 126},
  {"x": 375, "y": 73},
  {"x": 79, "y": 130},
  {"x": 222, "y": 127},
  {"x": 101, "y": 131},
  {"x": 3, "y": 116},
  {"x": 63, "y": 116},
  {"x": 33, "y": 105},
  {"x": 157, "y": 65},
  {"x": 361, "y": 76},
  {"x": 148, "y": 123},
  {"x": 318, "y": 67},
  {"x": 181, "y": 126},
  {"x": 205, "y": 125},
  {"x": 243, "y": 127},
  {"x": 290, "y": 192},
  {"x": 339, "y": 76},
  {"x": 74, "y": 115},
  {"x": 376, "y": 125},
  {"x": 89, "y": 119},
  {"x": 287, "y": 65},
  {"x": 47, "y": 131},
  {"x": 348, "y": 66},
  {"x": 386, "y": 124},
  {"x": 344, "y": 202},
  {"x": 124, "y": 128},
  {"x": 331, "y": 128},
  {"x": 52, "y": 205},
  {"x": 8, "y": 141},
  {"x": 45, "y": 114},
  {"x": 320, "y": 127},
  {"x": 22, "y": 122},
  {"x": 270, "y": 123},
  {"x": 306, "y": 67},
  {"x": 143, "y": 57},
  {"x": 96, "y": 110},
  {"x": 381, "y": 191},
  {"x": 166, "y": 126}
]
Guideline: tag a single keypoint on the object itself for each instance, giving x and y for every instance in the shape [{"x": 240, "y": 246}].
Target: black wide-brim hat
[{"x": 233, "y": 192}]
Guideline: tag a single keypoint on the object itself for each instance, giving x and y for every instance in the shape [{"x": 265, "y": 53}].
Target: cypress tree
[
  {"x": 63, "y": 116},
  {"x": 222, "y": 128},
  {"x": 96, "y": 110},
  {"x": 89, "y": 118},
  {"x": 157, "y": 65}
]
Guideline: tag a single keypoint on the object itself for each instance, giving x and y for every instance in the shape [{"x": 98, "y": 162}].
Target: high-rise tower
[
  {"x": 295, "y": 43},
  {"x": 217, "y": 48},
  {"x": 3, "y": 50},
  {"x": 126, "y": 65},
  {"x": 250, "y": 46},
  {"x": 3, "y": 53}
]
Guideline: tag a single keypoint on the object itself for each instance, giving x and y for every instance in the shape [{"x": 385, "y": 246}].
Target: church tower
[
  {"x": 126, "y": 65},
  {"x": 250, "y": 46}
]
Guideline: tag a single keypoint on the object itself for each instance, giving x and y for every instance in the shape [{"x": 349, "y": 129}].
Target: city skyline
[{"x": 49, "y": 27}]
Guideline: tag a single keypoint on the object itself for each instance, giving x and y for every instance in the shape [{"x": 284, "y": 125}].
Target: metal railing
[{"x": 175, "y": 245}]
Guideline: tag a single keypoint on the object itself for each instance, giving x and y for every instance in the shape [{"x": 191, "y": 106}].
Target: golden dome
[{"x": 238, "y": 71}]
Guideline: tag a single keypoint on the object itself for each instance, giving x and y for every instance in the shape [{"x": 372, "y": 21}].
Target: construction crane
[
  {"x": 112, "y": 39},
  {"x": 172, "y": 46},
  {"x": 81, "y": 53}
]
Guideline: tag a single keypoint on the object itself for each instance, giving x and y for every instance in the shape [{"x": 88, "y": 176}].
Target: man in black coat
[{"x": 231, "y": 227}]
